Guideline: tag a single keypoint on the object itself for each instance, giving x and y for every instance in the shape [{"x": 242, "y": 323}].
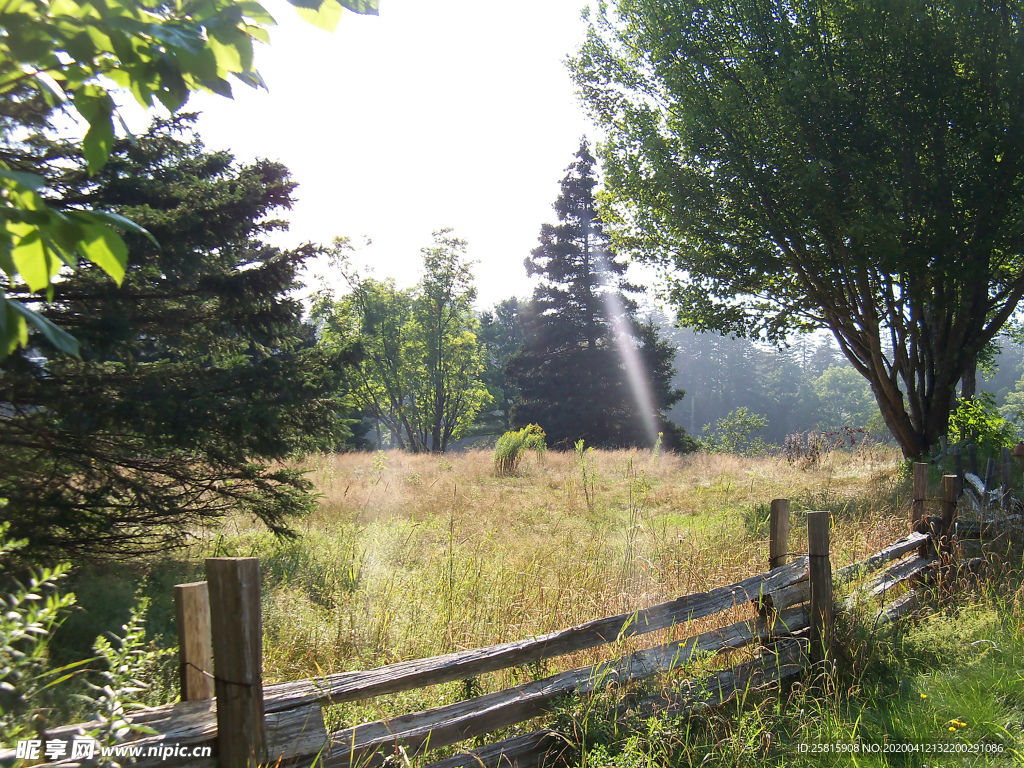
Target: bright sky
[{"x": 453, "y": 113}]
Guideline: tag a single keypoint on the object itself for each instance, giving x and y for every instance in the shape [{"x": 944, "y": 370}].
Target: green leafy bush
[
  {"x": 977, "y": 419},
  {"x": 32, "y": 690},
  {"x": 732, "y": 433},
  {"x": 513, "y": 445}
]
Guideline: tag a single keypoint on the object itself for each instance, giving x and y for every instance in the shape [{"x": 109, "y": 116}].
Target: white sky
[{"x": 451, "y": 113}]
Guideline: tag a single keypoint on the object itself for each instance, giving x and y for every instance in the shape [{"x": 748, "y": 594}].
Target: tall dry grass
[{"x": 409, "y": 556}]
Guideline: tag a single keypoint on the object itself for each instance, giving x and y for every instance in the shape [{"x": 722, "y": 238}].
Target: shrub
[
  {"x": 977, "y": 419},
  {"x": 513, "y": 445},
  {"x": 31, "y": 610}
]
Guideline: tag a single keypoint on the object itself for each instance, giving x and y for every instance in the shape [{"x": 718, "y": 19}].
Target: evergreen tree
[
  {"x": 570, "y": 373},
  {"x": 197, "y": 375}
]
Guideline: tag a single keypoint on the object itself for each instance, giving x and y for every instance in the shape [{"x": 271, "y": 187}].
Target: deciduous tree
[{"x": 850, "y": 166}]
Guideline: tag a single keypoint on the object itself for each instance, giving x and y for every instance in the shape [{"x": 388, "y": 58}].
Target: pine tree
[
  {"x": 570, "y": 373},
  {"x": 197, "y": 375}
]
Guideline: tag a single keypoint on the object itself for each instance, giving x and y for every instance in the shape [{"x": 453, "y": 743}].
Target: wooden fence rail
[{"x": 226, "y": 706}]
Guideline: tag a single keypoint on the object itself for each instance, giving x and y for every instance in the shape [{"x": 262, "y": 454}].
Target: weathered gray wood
[
  {"x": 195, "y": 647},
  {"x": 296, "y": 735},
  {"x": 542, "y": 747},
  {"x": 943, "y": 446},
  {"x": 789, "y": 596},
  {"x": 237, "y": 629},
  {"x": 901, "y": 606},
  {"x": 531, "y": 750},
  {"x": 465, "y": 719},
  {"x": 920, "y": 493},
  {"x": 972, "y": 457},
  {"x": 821, "y": 608},
  {"x": 958, "y": 463},
  {"x": 407, "y": 675},
  {"x": 778, "y": 533},
  {"x": 894, "y": 551},
  {"x": 898, "y": 574}
]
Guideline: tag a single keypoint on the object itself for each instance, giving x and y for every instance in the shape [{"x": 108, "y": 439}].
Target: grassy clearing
[{"x": 415, "y": 555}]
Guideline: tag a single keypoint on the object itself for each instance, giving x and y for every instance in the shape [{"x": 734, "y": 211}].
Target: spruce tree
[
  {"x": 197, "y": 376},
  {"x": 570, "y": 373}
]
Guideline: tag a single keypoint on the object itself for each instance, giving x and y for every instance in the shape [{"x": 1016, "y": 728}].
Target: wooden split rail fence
[{"x": 226, "y": 706}]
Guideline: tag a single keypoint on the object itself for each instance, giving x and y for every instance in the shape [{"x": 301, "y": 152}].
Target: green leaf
[
  {"x": 104, "y": 247},
  {"x": 113, "y": 220},
  {"x": 30, "y": 180},
  {"x": 362, "y": 6},
  {"x": 97, "y": 143},
  {"x": 33, "y": 261},
  {"x": 326, "y": 15},
  {"x": 13, "y": 330},
  {"x": 60, "y": 339}
]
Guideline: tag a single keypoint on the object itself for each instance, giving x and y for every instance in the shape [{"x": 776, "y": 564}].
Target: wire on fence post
[
  {"x": 237, "y": 626},
  {"x": 821, "y": 585}
]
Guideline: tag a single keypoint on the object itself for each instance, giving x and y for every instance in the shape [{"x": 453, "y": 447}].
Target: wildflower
[{"x": 924, "y": 695}]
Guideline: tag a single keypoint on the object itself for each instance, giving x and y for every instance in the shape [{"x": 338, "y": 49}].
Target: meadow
[{"x": 413, "y": 555}]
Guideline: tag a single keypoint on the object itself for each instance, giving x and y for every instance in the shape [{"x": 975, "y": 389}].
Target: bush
[
  {"x": 32, "y": 609},
  {"x": 977, "y": 419},
  {"x": 733, "y": 433},
  {"x": 513, "y": 445}
]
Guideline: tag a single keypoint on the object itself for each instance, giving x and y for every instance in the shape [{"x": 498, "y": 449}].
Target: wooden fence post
[
  {"x": 917, "y": 511},
  {"x": 778, "y": 534},
  {"x": 195, "y": 651},
  {"x": 237, "y": 626},
  {"x": 948, "y": 505},
  {"x": 958, "y": 460},
  {"x": 1007, "y": 479},
  {"x": 821, "y": 585},
  {"x": 972, "y": 457},
  {"x": 990, "y": 476}
]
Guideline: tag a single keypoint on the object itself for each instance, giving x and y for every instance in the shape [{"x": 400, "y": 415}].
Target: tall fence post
[
  {"x": 778, "y": 534},
  {"x": 195, "y": 651},
  {"x": 958, "y": 462},
  {"x": 1004, "y": 500},
  {"x": 917, "y": 510},
  {"x": 948, "y": 506},
  {"x": 972, "y": 457},
  {"x": 821, "y": 585},
  {"x": 237, "y": 629}
]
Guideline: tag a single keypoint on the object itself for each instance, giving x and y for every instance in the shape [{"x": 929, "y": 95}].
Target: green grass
[{"x": 411, "y": 556}]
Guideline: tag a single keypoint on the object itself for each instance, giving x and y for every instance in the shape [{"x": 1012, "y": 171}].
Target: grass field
[{"x": 414, "y": 555}]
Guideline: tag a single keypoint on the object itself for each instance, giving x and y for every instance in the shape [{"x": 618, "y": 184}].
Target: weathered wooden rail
[{"x": 225, "y": 704}]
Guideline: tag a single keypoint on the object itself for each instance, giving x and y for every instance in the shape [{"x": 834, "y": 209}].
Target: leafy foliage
[
  {"x": 734, "y": 432},
  {"x": 513, "y": 445},
  {"x": 71, "y": 52},
  {"x": 195, "y": 377},
  {"x": 30, "y": 686},
  {"x": 569, "y": 374},
  {"x": 422, "y": 368},
  {"x": 845, "y": 166},
  {"x": 978, "y": 420}
]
